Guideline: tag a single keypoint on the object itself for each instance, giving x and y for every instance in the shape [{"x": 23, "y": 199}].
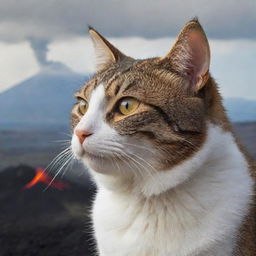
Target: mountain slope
[{"x": 42, "y": 100}]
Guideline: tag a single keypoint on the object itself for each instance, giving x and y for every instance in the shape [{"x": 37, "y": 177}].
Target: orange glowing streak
[{"x": 43, "y": 177}]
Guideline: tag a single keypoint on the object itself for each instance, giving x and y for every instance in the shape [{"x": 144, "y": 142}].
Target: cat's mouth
[{"x": 82, "y": 153}]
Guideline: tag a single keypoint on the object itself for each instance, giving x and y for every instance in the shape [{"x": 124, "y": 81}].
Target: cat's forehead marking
[
  {"x": 117, "y": 85},
  {"x": 97, "y": 96}
]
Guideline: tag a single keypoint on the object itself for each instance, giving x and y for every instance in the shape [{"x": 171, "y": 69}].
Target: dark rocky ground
[
  {"x": 35, "y": 222},
  {"x": 39, "y": 222}
]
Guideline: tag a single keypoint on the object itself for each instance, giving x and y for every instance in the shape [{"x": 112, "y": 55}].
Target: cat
[{"x": 172, "y": 179}]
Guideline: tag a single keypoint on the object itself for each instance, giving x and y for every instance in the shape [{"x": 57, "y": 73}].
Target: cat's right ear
[
  {"x": 190, "y": 55},
  {"x": 106, "y": 53}
]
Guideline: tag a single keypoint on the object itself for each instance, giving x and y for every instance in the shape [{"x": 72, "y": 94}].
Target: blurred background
[{"x": 46, "y": 55}]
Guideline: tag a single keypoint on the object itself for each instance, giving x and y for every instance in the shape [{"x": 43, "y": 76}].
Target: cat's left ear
[
  {"x": 190, "y": 55},
  {"x": 106, "y": 53}
]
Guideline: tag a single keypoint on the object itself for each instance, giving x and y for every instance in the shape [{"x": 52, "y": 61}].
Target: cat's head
[{"x": 136, "y": 117}]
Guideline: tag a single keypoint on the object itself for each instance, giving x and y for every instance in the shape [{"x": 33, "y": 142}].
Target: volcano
[
  {"x": 44, "y": 100},
  {"x": 43, "y": 222}
]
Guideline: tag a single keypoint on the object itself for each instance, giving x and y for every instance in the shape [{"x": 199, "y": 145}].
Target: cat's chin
[{"x": 99, "y": 164}]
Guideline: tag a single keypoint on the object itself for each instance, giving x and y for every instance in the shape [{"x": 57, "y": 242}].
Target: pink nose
[{"x": 81, "y": 134}]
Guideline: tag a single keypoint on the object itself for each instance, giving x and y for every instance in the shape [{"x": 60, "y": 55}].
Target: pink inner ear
[{"x": 199, "y": 55}]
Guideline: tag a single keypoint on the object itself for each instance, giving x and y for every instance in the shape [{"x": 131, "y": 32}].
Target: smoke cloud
[{"x": 40, "y": 47}]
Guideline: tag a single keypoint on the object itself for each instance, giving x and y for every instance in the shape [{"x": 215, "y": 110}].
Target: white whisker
[{"x": 57, "y": 173}]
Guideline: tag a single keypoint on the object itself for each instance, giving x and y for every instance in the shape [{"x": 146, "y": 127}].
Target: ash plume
[{"x": 40, "y": 48}]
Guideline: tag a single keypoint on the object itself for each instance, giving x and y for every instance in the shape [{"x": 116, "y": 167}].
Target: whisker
[
  {"x": 56, "y": 158},
  {"x": 57, "y": 161},
  {"x": 133, "y": 160},
  {"x": 61, "y": 141},
  {"x": 181, "y": 139},
  {"x": 57, "y": 173},
  {"x": 126, "y": 159},
  {"x": 139, "y": 158},
  {"x": 69, "y": 165},
  {"x": 138, "y": 146},
  {"x": 66, "y": 134}
]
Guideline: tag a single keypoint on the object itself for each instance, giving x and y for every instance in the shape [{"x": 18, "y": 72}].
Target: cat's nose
[{"x": 82, "y": 134}]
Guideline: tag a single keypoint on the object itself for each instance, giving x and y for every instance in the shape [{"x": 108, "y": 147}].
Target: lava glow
[{"x": 42, "y": 177}]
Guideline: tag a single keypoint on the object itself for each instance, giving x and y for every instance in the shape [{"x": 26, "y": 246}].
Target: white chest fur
[{"x": 176, "y": 214}]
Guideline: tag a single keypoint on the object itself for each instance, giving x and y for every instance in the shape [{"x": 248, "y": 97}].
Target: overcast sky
[
  {"x": 33, "y": 32},
  {"x": 149, "y": 18}
]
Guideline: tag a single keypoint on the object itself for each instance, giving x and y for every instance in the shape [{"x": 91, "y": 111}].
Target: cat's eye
[
  {"x": 82, "y": 106},
  {"x": 128, "y": 106}
]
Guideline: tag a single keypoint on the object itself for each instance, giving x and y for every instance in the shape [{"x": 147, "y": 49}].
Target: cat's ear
[
  {"x": 190, "y": 55},
  {"x": 106, "y": 53}
]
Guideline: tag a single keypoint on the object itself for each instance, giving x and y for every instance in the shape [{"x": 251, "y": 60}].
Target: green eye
[
  {"x": 83, "y": 106},
  {"x": 128, "y": 106}
]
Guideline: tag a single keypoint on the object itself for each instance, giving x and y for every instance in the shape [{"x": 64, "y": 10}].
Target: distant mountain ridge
[
  {"x": 240, "y": 110},
  {"x": 45, "y": 100}
]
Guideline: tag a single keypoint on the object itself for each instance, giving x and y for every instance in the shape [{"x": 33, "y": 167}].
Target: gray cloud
[{"x": 54, "y": 19}]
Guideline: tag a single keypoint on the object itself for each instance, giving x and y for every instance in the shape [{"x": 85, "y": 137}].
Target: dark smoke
[{"x": 40, "y": 47}]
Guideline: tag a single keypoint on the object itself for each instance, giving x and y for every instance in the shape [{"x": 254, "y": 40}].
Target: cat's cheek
[{"x": 76, "y": 147}]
